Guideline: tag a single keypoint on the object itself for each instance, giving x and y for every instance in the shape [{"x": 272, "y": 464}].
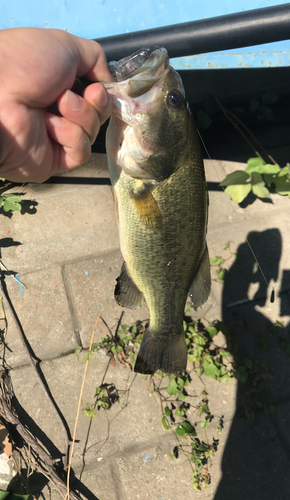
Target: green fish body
[{"x": 157, "y": 173}]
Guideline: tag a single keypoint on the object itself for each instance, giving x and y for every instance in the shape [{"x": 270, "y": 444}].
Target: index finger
[
  {"x": 92, "y": 62},
  {"x": 89, "y": 55}
]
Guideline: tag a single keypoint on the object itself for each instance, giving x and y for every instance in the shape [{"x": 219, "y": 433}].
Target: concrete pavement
[{"x": 65, "y": 249}]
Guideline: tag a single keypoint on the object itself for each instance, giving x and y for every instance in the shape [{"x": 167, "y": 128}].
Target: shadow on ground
[{"x": 256, "y": 458}]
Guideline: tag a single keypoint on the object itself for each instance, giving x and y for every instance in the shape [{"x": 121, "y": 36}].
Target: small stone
[{"x": 146, "y": 458}]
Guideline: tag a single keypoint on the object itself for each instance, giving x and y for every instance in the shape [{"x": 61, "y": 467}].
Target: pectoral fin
[
  {"x": 127, "y": 294},
  {"x": 147, "y": 207},
  {"x": 200, "y": 287}
]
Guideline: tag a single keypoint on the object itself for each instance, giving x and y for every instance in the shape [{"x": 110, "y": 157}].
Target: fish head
[{"x": 150, "y": 122}]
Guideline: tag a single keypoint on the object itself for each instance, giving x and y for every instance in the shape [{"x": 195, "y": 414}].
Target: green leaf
[
  {"x": 180, "y": 383},
  {"x": 172, "y": 388},
  {"x": 262, "y": 168},
  {"x": 254, "y": 104},
  {"x": 255, "y": 162},
  {"x": 258, "y": 186},
  {"x": 167, "y": 411},
  {"x": 12, "y": 203},
  {"x": 238, "y": 192},
  {"x": 202, "y": 447},
  {"x": 189, "y": 429},
  {"x": 238, "y": 177},
  {"x": 181, "y": 396},
  {"x": 180, "y": 431},
  {"x": 270, "y": 179},
  {"x": 211, "y": 370},
  {"x": 8, "y": 495},
  {"x": 241, "y": 374},
  {"x": 283, "y": 188},
  {"x": 248, "y": 363},
  {"x": 225, "y": 354},
  {"x": 221, "y": 274},
  {"x": 13, "y": 198},
  {"x": 264, "y": 113},
  {"x": 212, "y": 331},
  {"x": 284, "y": 171},
  {"x": 270, "y": 168},
  {"x": 165, "y": 424},
  {"x": 190, "y": 357},
  {"x": 88, "y": 357},
  {"x": 199, "y": 372},
  {"x": 213, "y": 260},
  {"x": 270, "y": 97}
]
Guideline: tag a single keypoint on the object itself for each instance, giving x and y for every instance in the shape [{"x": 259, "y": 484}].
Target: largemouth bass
[{"x": 156, "y": 169}]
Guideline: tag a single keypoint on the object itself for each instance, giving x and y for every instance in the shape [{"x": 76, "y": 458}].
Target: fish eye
[{"x": 175, "y": 99}]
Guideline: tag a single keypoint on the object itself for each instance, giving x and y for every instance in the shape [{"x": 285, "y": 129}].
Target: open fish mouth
[
  {"x": 142, "y": 60},
  {"x": 137, "y": 73}
]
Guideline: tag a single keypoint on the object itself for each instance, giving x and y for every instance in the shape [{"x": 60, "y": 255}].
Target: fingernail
[
  {"x": 55, "y": 121},
  {"x": 73, "y": 101},
  {"x": 103, "y": 101}
]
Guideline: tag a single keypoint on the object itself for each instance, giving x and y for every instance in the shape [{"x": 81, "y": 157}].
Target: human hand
[{"x": 38, "y": 67}]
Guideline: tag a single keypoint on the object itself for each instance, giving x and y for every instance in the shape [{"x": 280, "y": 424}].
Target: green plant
[
  {"x": 218, "y": 261},
  {"x": 8, "y": 201},
  {"x": 261, "y": 108},
  {"x": 255, "y": 178},
  {"x": 255, "y": 375},
  {"x": 179, "y": 413},
  {"x": 183, "y": 412},
  {"x": 178, "y": 406}
]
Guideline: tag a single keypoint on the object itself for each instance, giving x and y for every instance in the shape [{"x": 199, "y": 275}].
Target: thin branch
[{"x": 78, "y": 412}]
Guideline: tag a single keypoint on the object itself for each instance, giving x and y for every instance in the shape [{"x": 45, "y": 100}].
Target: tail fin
[{"x": 161, "y": 352}]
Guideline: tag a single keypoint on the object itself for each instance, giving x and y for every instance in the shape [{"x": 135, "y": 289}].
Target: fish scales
[
  {"x": 167, "y": 277},
  {"x": 162, "y": 226}
]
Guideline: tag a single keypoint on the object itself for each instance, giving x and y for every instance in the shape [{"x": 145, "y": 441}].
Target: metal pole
[{"x": 232, "y": 31}]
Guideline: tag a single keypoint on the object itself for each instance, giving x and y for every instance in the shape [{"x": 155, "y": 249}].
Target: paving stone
[
  {"x": 91, "y": 284},
  {"x": 134, "y": 430},
  {"x": 44, "y": 313},
  {"x": 69, "y": 222}
]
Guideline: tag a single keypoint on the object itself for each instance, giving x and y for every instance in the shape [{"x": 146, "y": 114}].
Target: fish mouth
[
  {"x": 142, "y": 60},
  {"x": 138, "y": 73}
]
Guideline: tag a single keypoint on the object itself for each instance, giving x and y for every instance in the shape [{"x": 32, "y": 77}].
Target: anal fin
[
  {"x": 127, "y": 294},
  {"x": 200, "y": 287}
]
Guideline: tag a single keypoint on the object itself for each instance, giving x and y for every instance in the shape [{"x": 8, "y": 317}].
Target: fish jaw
[
  {"x": 135, "y": 99},
  {"x": 150, "y": 135},
  {"x": 125, "y": 151}
]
